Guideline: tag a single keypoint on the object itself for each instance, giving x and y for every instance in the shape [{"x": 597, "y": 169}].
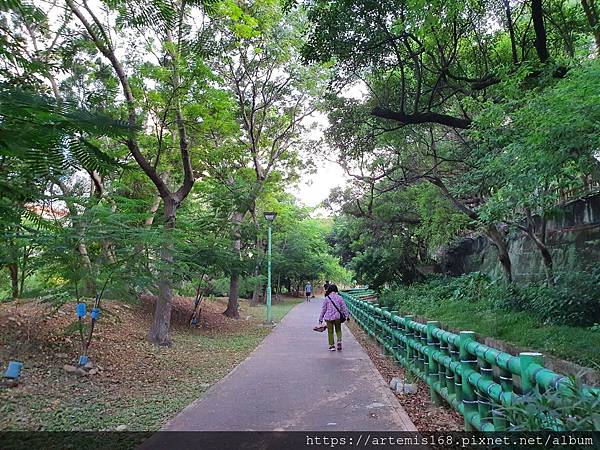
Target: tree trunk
[
  {"x": 511, "y": 32},
  {"x": 546, "y": 257},
  {"x": 159, "y": 330},
  {"x": 591, "y": 14},
  {"x": 257, "y": 290},
  {"x": 13, "y": 269},
  {"x": 541, "y": 44},
  {"x": 23, "y": 271},
  {"x": 540, "y": 243},
  {"x": 499, "y": 241},
  {"x": 232, "y": 302}
]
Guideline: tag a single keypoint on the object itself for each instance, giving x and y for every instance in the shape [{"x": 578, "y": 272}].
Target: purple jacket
[{"x": 328, "y": 311}]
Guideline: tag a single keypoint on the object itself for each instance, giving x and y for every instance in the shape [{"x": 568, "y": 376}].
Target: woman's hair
[{"x": 331, "y": 288}]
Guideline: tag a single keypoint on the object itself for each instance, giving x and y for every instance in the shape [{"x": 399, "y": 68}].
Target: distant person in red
[{"x": 332, "y": 311}]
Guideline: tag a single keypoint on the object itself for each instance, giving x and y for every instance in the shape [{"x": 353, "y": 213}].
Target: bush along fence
[{"x": 476, "y": 380}]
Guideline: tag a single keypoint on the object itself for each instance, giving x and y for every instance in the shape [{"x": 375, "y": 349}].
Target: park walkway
[{"x": 292, "y": 382}]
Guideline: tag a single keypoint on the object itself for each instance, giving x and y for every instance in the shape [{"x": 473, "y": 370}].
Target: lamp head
[{"x": 270, "y": 215}]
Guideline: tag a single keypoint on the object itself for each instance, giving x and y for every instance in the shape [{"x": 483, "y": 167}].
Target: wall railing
[{"x": 476, "y": 380}]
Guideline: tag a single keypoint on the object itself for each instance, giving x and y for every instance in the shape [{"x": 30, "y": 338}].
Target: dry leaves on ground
[{"x": 425, "y": 415}]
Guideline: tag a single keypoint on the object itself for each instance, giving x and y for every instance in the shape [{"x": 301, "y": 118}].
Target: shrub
[
  {"x": 575, "y": 300},
  {"x": 473, "y": 288},
  {"x": 575, "y": 410}
]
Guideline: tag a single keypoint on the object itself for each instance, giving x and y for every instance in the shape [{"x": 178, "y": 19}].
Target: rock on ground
[{"x": 69, "y": 368}]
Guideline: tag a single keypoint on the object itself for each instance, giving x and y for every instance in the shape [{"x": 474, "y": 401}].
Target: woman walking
[{"x": 333, "y": 311}]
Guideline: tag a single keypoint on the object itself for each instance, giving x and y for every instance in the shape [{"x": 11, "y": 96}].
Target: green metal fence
[{"x": 473, "y": 378}]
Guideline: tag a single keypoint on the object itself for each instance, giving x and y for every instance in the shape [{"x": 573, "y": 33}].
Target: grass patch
[
  {"x": 473, "y": 303},
  {"x": 279, "y": 310},
  {"x": 575, "y": 344}
]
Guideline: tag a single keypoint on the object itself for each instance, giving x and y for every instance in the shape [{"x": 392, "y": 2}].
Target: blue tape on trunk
[{"x": 81, "y": 309}]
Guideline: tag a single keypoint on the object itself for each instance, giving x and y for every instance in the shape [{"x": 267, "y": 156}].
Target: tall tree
[
  {"x": 432, "y": 68},
  {"x": 178, "y": 72},
  {"x": 275, "y": 93}
]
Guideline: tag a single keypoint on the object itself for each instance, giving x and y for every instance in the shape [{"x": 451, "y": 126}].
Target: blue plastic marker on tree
[
  {"x": 83, "y": 360},
  {"x": 81, "y": 310},
  {"x": 95, "y": 313},
  {"x": 14, "y": 370}
]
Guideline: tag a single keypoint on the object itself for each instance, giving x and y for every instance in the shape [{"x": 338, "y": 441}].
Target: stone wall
[{"x": 573, "y": 237}]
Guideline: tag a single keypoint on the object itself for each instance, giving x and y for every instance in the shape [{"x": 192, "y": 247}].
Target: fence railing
[{"x": 476, "y": 380}]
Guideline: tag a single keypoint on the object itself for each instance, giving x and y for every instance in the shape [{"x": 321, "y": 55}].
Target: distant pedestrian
[
  {"x": 333, "y": 311},
  {"x": 325, "y": 287},
  {"x": 308, "y": 291}
]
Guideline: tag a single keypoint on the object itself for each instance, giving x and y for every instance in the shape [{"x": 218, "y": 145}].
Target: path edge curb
[{"x": 402, "y": 416}]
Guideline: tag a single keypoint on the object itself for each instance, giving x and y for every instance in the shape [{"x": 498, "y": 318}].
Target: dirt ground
[
  {"x": 138, "y": 385},
  {"x": 425, "y": 415}
]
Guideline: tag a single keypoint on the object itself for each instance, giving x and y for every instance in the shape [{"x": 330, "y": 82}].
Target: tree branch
[
  {"x": 106, "y": 49},
  {"x": 420, "y": 118}
]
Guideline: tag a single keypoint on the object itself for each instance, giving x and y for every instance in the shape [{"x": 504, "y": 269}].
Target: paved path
[{"x": 292, "y": 382}]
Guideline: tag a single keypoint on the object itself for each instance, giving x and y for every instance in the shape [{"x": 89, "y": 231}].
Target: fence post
[
  {"x": 445, "y": 371},
  {"x": 439, "y": 345},
  {"x": 526, "y": 360},
  {"x": 507, "y": 391},
  {"x": 485, "y": 403},
  {"x": 408, "y": 332},
  {"x": 380, "y": 321},
  {"x": 423, "y": 362},
  {"x": 395, "y": 331},
  {"x": 383, "y": 322},
  {"x": 467, "y": 363},
  {"x": 454, "y": 382},
  {"x": 418, "y": 358},
  {"x": 433, "y": 371}
]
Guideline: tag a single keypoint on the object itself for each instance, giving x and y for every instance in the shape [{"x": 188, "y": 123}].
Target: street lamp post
[{"x": 270, "y": 217}]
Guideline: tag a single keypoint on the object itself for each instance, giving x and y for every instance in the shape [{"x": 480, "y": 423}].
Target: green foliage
[
  {"x": 574, "y": 409},
  {"x": 529, "y": 316},
  {"x": 574, "y": 301},
  {"x": 50, "y": 137},
  {"x": 220, "y": 286},
  {"x": 474, "y": 288},
  {"x": 499, "y": 121},
  {"x": 300, "y": 251},
  {"x": 440, "y": 222},
  {"x": 546, "y": 144},
  {"x": 382, "y": 242}
]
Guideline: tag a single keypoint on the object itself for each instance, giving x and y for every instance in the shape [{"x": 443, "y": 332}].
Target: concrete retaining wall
[{"x": 573, "y": 237}]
